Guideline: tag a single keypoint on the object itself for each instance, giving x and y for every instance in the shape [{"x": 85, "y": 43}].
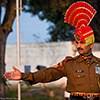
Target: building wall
[{"x": 45, "y": 54}]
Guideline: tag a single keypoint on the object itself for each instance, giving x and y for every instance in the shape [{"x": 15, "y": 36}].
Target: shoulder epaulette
[
  {"x": 98, "y": 58},
  {"x": 68, "y": 58}
]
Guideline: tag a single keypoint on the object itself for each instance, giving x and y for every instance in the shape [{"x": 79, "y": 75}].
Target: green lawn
[{"x": 36, "y": 94}]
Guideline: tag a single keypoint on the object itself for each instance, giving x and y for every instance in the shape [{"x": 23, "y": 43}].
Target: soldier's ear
[{"x": 91, "y": 45}]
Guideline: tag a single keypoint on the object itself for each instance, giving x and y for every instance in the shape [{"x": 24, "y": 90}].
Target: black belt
[{"x": 83, "y": 98}]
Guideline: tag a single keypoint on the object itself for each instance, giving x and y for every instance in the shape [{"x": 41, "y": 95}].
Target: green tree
[
  {"x": 5, "y": 29},
  {"x": 45, "y": 10}
]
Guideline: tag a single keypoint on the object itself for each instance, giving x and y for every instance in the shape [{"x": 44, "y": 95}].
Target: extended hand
[{"x": 15, "y": 75}]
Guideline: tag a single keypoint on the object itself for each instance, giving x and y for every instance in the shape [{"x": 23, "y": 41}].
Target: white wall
[{"x": 46, "y": 54}]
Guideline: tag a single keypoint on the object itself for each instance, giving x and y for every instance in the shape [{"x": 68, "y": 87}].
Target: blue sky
[{"x": 32, "y": 30}]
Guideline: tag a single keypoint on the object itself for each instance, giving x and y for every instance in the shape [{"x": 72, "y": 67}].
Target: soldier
[{"x": 82, "y": 71}]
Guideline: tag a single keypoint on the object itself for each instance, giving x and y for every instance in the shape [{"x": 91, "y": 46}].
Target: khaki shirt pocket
[{"x": 79, "y": 78}]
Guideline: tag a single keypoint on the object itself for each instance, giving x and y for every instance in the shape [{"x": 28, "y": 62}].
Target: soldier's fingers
[
  {"x": 15, "y": 68},
  {"x": 7, "y": 75}
]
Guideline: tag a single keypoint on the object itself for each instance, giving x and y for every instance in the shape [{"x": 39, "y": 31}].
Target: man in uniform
[{"x": 82, "y": 71}]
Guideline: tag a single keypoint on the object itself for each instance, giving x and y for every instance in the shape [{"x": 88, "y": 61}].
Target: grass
[
  {"x": 36, "y": 94},
  {"x": 39, "y": 97}
]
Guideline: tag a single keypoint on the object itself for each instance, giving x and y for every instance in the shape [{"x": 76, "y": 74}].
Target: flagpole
[{"x": 18, "y": 48}]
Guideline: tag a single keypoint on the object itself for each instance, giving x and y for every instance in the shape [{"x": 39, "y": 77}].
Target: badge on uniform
[
  {"x": 97, "y": 70},
  {"x": 79, "y": 71}
]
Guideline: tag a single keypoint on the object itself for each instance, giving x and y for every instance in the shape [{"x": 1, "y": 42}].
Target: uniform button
[
  {"x": 90, "y": 75},
  {"x": 91, "y": 85},
  {"x": 78, "y": 75}
]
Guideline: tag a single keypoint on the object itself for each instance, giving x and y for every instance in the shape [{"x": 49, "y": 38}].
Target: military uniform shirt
[{"x": 80, "y": 76}]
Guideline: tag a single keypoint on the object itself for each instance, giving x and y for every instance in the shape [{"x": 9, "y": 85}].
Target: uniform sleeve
[
  {"x": 47, "y": 75},
  {"x": 28, "y": 76}
]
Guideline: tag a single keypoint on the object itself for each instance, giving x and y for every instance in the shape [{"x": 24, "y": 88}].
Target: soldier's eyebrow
[{"x": 82, "y": 42}]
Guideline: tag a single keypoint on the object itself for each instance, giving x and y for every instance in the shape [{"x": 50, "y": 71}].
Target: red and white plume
[{"x": 79, "y": 14}]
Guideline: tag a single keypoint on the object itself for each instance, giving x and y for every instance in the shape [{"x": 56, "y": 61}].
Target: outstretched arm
[
  {"x": 14, "y": 75},
  {"x": 44, "y": 76}
]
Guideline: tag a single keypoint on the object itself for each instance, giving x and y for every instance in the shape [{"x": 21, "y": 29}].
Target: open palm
[{"x": 14, "y": 75}]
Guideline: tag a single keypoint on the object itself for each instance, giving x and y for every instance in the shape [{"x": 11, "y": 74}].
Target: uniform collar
[
  {"x": 80, "y": 59},
  {"x": 94, "y": 59}
]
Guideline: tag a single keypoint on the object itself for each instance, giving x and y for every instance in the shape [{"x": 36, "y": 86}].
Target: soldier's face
[{"x": 82, "y": 49}]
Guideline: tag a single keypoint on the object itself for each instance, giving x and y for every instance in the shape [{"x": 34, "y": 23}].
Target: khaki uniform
[{"x": 80, "y": 76}]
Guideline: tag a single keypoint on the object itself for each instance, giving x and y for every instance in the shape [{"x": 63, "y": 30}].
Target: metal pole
[
  {"x": 18, "y": 55},
  {"x": 21, "y": 6},
  {"x": 17, "y": 15},
  {"x": 21, "y": 37}
]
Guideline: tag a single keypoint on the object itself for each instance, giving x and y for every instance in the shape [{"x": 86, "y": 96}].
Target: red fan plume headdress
[{"x": 80, "y": 15}]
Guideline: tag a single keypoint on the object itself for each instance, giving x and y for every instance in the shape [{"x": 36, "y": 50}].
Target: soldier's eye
[
  {"x": 82, "y": 42},
  {"x": 76, "y": 42}
]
